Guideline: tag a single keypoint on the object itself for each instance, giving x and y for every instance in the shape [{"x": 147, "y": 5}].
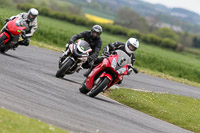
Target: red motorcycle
[
  {"x": 10, "y": 36},
  {"x": 109, "y": 72}
]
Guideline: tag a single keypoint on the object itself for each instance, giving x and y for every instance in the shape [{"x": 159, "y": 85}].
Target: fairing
[
  {"x": 13, "y": 28},
  {"x": 122, "y": 61}
]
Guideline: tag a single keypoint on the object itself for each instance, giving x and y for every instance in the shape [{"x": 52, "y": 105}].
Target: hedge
[{"x": 113, "y": 29}]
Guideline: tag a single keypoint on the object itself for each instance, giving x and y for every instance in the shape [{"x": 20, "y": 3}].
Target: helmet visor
[
  {"x": 32, "y": 17},
  {"x": 95, "y": 34},
  {"x": 131, "y": 47}
]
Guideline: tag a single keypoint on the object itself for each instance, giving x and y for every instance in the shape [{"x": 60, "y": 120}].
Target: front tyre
[
  {"x": 2, "y": 39},
  {"x": 103, "y": 83},
  {"x": 61, "y": 72}
]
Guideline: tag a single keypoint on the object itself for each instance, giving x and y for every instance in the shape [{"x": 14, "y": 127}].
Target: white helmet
[
  {"x": 131, "y": 45},
  {"x": 32, "y": 14}
]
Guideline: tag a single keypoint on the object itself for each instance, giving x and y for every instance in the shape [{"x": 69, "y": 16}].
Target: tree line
[{"x": 128, "y": 23}]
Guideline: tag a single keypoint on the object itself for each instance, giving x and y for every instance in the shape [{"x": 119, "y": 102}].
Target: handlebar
[
  {"x": 109, "y": 53},
  {"x": 135, "y": 69}
]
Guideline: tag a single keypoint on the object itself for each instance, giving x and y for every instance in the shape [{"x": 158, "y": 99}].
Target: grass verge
[
  {"x": 15, "y": 123},
  {"x": 178, "y": 110}
]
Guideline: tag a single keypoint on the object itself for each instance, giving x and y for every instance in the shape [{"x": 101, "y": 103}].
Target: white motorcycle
[{"x": 73, "y": 58}]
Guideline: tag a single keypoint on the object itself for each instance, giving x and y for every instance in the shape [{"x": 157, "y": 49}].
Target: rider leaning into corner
[
  {"x": 28, "y": 20},
  {"x": 94, "y": 39},
  {"x": 129, "y": 47}
]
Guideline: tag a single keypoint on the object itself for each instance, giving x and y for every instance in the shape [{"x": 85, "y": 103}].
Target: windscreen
[
  {"x": 123, "y": 58},
  {"x": 83, "y": 46}
]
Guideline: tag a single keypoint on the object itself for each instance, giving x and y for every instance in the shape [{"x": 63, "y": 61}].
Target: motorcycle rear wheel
[
  {"x": 61, "y": 72},
  {"x": 103, "y": 83}
]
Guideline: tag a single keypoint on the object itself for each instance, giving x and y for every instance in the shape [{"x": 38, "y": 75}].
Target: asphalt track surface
[{"x": 28, "y": 86}]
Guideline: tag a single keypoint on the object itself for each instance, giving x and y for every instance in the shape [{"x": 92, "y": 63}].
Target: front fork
[{"x": 63, "y": 57}]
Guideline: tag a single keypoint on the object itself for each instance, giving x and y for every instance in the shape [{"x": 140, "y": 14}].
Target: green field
[
  {"x": 179, "y": 110},
  {"x": 15, "y": 123},
  {"x": 181, "y": 65}
]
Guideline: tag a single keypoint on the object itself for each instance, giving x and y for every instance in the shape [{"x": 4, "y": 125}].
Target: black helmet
[
  {"x": 96, "y": 29},
  {"x": 32, "y": 14}
]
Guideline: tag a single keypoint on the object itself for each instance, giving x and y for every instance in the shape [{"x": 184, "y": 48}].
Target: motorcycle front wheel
[
  {"x": 61, "y": 72},
  {"x": 2, "y": 39},
  {"x": 103, "y": 83}
]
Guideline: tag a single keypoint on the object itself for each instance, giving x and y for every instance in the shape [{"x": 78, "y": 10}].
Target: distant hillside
[
  {"x": 148, "y": 9},
  {"x": 185, "y": 15},
  {"x": 156, "y": 14},
  {"x": 175, "y": 18}
]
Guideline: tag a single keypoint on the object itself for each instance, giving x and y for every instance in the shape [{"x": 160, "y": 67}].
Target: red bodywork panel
[{"x": 13, "y": 28}]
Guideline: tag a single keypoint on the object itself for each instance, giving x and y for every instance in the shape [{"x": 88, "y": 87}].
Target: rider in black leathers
[{"x": 94, "y": 39}]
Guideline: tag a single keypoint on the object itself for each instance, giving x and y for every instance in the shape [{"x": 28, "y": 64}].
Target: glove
[{"x": 111, "y": 46}]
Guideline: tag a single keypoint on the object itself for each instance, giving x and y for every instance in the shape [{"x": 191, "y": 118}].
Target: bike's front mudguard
[
  {"x": 6, "y": 36},
  {"x": 106, "y": 75}
]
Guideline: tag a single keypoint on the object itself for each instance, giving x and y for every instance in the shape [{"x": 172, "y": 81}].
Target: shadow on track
[
  {"x": 12, "y": 56},
  {"x": 107, "y": 101},
  {"x": 53, "y": 75},
  {"x": 71, "y": 81}
]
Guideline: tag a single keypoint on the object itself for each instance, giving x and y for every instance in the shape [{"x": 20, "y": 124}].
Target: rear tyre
[
  {"x": 103, "y": 83},
  {"x": 61, "y": 72}
]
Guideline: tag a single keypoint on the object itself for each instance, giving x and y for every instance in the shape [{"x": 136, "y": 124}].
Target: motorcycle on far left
[{"x": 10, "y": 36}]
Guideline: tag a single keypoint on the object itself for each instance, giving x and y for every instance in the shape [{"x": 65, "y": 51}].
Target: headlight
[
  {"x": 121, "y": 70},
  {"x": 113, "y": 63}
]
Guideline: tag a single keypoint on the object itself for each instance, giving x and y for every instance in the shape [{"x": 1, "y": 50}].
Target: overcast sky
[{"x": 192, "y": 5}]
